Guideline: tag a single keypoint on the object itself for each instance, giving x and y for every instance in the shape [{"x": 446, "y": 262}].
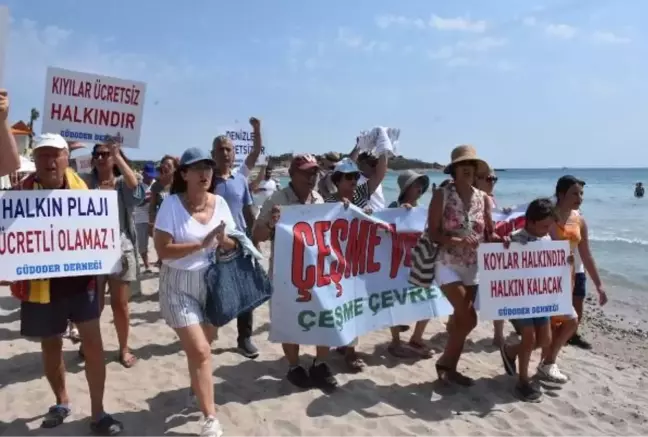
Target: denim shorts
[
  {"x": 580, "y": 284},
  {"x": 532, "y": 321}
]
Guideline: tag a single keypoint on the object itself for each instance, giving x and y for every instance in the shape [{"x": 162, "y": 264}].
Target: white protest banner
[
  {"x": 4, "y": 36},
  {"x": 339, "y": 273},
  {"x": 509, "y": 220},
  {"x": 84, "y": 164},
  {"x": 89, "y": 107},
  {"x": 55, "y": 233},
  {"x": 524, "y": 281},
  {"x": 243, "y": 140}
]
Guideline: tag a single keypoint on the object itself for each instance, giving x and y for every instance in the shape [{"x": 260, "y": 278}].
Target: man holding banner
[
  {"x": 300, "y": 191},
  {"x": 49, "y": 304}
]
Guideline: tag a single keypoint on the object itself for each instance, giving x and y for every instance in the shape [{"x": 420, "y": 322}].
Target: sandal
[
  {"x": 74, "y": 336},
  {"x": 127, "y": 363},
  {"x": 55, "y": 416},
  {"x": 400, "y": 351},
  {"x": 447, "y": 374},
  {"x": 107, "y": 426},
  {"x": 354, "y": 363},
  {"x": 421, "y": 349}
]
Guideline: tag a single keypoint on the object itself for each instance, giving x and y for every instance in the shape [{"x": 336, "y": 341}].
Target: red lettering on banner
[
  {"x": 323, "y": 252},
  {"x": 339, "y": 233},
  {"x": 358, "y": 258},
  {"x": 356, "y": 250},
  {"x": 547, "y": 285},
  {"x": 500, "y": 288},
  {"x": 372, "y": 243},
  {"x": 93, "y": 116},
  {"x": 501, "y": 261},
  {"x": 401, "y": 253},
  {"x": 302, "y": 236}
]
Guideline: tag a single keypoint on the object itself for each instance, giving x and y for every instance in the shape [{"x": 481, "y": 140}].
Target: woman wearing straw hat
[
  {"x": 459, "y": 219},
  {"x": 412, "y": 186}
]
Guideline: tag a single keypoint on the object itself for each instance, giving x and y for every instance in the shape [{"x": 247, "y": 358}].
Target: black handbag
[{"x": 236, "y": 284}]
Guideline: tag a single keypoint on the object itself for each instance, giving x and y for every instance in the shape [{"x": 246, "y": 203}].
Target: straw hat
[
  {"x": 407, "y": 178},
  {"x": 465, "y": 153}
]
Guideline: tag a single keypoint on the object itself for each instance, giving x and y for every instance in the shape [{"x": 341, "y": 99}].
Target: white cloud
[
  {"x": 348, "y": 38},
  {"x": 464, "y": 52},
  {"x": 443, "y": 53},
  {"x": 352, "y": 40},
  {"x": 482, "y": 44},
  {"x": 563, "y": 31},
  {"x": 385, "y": 21},
  {"x": 529, "y": 21},
  {"x": 457, "y": 24},
  {"x": 610, "y": 38}
]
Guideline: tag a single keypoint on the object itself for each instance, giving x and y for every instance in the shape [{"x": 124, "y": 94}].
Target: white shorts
[
  {"x": 183, "y": 296},
  {"x": 448, "y": 273}
]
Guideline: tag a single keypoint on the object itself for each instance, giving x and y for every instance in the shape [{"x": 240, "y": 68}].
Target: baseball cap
[
  {"x": 50, "y": 140},
  {"x": 303, "y": 162},
  {"x": 566, "y": 182},
  {"x": 150, "y": 170},
  {"x": 346, "y": 166},
  {"x": 194, "y": 155}
]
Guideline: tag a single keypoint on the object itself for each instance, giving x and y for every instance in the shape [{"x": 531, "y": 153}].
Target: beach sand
[{"x": 607, "y": 394}]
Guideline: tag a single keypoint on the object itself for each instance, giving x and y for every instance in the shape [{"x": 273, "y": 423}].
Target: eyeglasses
[{"x": 103, "y": 155}]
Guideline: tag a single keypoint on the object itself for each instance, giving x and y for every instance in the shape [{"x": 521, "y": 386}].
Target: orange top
[{"x": 570, "y": 231}]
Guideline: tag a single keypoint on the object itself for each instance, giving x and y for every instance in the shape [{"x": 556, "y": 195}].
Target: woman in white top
[{"x": 190, "y": 224}]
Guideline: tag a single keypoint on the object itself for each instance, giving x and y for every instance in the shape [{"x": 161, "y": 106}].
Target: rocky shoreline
[{"x": 613, "y": 337}]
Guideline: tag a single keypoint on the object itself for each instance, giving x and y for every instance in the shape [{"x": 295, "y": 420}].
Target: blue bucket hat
[
  {"x": 194, "y": 155},
  {"x": 346, "y": 165},
  {"x": 150, "y": 170}
]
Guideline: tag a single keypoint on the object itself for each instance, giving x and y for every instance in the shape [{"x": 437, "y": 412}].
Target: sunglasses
[
  {"x": 490, "y": 179},
  {"x": 351, "y": 176},
  {"x": 103, "y": 155}
]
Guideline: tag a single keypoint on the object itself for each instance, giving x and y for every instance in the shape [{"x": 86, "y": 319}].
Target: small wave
[{"x": 632, "y": 241}]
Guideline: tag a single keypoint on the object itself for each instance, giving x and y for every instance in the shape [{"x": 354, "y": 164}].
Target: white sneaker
[
  {"x": 211, "y": 428},
  {"x": 552, "y": 373}
]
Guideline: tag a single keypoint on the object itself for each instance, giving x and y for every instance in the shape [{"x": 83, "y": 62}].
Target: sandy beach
[{"x": 607, "y": 394}]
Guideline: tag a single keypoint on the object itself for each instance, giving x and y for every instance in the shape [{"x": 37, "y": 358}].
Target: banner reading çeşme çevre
[{"x": 339, "y": 273}]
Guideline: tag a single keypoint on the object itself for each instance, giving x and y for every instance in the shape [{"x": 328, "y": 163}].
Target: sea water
[{"x": 617, "y": 221}]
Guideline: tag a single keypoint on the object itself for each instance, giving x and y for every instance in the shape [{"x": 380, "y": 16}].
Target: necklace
[{"x": 195, "y": 208}]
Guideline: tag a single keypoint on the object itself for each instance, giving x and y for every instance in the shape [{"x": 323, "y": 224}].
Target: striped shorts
[{"x": 183, "y": 296}]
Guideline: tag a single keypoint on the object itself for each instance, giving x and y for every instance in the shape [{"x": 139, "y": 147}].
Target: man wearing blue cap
[{"x": 141, "y": 214}]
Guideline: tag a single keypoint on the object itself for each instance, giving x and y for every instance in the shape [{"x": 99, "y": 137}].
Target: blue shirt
[{"x": 236, "y": 192}]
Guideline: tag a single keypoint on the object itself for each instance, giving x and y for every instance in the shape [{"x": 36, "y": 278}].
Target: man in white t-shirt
[{"x": 263, "y": 187}]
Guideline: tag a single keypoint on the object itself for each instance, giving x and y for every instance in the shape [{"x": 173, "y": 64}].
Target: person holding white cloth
[{"x": 191, "y": 223}]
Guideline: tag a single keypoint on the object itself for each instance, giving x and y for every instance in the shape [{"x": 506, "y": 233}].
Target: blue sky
[{"x": 529, "y": 83}]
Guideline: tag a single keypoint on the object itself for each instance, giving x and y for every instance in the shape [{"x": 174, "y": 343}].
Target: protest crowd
[{"x": 209, "y": 219}]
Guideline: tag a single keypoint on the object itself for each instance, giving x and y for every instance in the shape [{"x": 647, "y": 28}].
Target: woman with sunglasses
[
  {"x": 110, "y": 171},
  {"x": 485, "y": 181},
  {"x": 192, "y": 223},
  {"x": 345, "y": 177}
]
